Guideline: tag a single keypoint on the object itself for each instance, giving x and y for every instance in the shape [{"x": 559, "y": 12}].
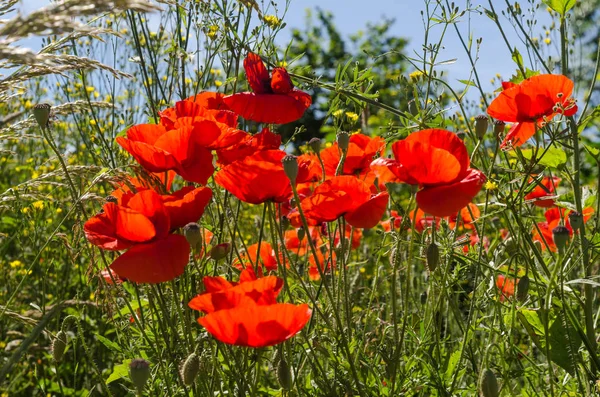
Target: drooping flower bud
[
  {"x": 290, "y": 166},
  {"x": 41, "y": 112},
  {"x": 191, "y": 231},
  {"x": 190, "y": 368},
  {"x": 284, "y": 374},
  {"x": 481, "y": 125},
  {"x": 560, "y": 234},
  {"x": 433, "y": 257},
  {"x": 59, "y": 344},
  {"x": 139, "y": 372},
  {"x": 522, "y": 289},
  {"x": 499, "y": 128},
  {"x": 315, "y": 145},
  {"x": 576, "y": 220},
  {"x": 488, "y": 384},
  {"x": 220, "y": 251},
  {"x": 343, "y": 140},
  {"x": 423, "y": 297}
]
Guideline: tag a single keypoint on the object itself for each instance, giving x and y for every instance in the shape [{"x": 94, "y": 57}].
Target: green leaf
[
  {"x": 468, "y": 82},
  {"x": 452, "y": 363},
  {"x": 516, "y": 56},
  {"x": 108, "y": 343},
  {"x": 119, "y": 371},
  {"x": 554, "y": 157},
  {"x": 560, "y": 6},
  {"x": 595, "y": 152}
]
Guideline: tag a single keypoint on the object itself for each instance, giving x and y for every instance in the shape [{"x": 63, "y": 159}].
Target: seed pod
[
  {"x": 315, "y": 144},
  {"x": 301, "y": 233},
  {"x": 481, "y": 126},
  {"x": 498, "y": 128},
  {"x": 190, "y": 369},
  {"x": 433, "y": 257},
  {"x": 488, "y": 384},
  {"x": 560, "y": 234},
  {"x": 412, "y": 107},
  {"x": 284, "y": 374},
  {"x": 343, "y": 140},
  {"x": 139, "y": 372},
  {"x": 290, "y": 166},
  {"x": 423, "y": 297},
  {"x": 576, "y": 220},
  {"x": 41, "y": 112},
  {"x": 191, "y": 231},
  {"x": 59, "y": 344},
  {"x": 523, "y": 289}
]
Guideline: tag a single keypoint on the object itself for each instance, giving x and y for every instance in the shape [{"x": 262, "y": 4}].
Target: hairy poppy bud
[
  {"x": 498, "y": 128},
  {"x": 560, "y": 235},
  {"x": 220, "y": 251},
  {"x": 290, "y": 166},
  {"x": 139, "y": 372},
  {"x": 481, "y": 126},
  {"x": 281, "y": 83},
  {"x": 488, "y": 384},
  {"x": 285, "y": 222},
  {"x": 301, "y": 233},
  {"x": 343, "y": 140},
  {"x": 576, "y": 220},
  {"x": 412, "y": 107},
  {"x": 315, "y": 145},
  {"x": 41, "y": 112},
  {"x": 190, "y": 368},
  {"x": 284, "y": 374},
  {"x": 423, "y": 297},
  {"x": 432, "y": 256},
  {"x": 191, "y": 231},
  {"x": 59, "y": 344},
  {"x": 523, "y": 289}
]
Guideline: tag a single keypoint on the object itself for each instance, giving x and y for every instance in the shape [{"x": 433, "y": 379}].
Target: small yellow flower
[
  {"x": 59, "y": 210},
  {"x": 90, "y": 89},
  {"x": 416, "y": 75},
  {"x": 212, "y": 31},
  {"x": 15, "y": 264},
  {"x": 272, "y": 21},
  {"x": 352, "y": 116},
  {"x": 490, "y": 185},
  {"x": 92, "y": 296},
  {"x": 218, "y": 83},
  {"x": 337, "y": 113},
  {"x": 93, "y": 122},
  {"x": 547, "y": 40},
  {"x": 38, "y": 205}
]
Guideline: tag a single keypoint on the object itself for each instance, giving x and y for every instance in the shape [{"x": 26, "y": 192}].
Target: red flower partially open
[
  {"x": 265, "y": 257},
  {"x": 531, "y": 104},
  {"x": 541, "y": 195},
  {"x": 273, "y": 100}
]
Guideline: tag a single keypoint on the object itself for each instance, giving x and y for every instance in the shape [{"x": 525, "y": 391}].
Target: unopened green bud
[
  {"x": 190, "y": 368},
  {"x": 488, "y": 384},
  {"x": 301, "y": 233},
  {"x": 139, "y": 372},
  {"x": 284, "y": 374},
  {"x": 423, "y": 297},
  {"x": 433, "y": 257},
  {"x": 412, "y": 107},
  {"x": 290, "y": 166},
  {"x": 576, "y": 220},
  {"x": 481, "y": 126},
  {"x": 523, "y": 289},
  {"x": 343, "y": 140},
  {"x": 41, "y": 112},
  {"x": 59, "y": 344},
  {"x": 315, "y": 145},
  {"x": 220, "y": 251},
  {"x": 560, "y": 235},
  {"x": 191, "y": 231}
]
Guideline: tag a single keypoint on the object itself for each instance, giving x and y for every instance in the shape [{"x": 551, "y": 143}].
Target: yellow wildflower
[
  {"x": 490, "y": 185},
  {"x": 272, "y": 21},
  {"x": 38, "y": 205},
  {"x": 352, "y": 116},
  {"x": 15, "y": 264}
]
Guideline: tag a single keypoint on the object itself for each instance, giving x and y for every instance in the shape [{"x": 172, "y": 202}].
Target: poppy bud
[
  {"x": 220, "y": 251},
  {"x": 59, "y": 344},
  {"x": 343, "y": 140},
  {"x": 423, "y": 297},
  {"x": 412, "y": 107},
  {"x": 191, "y": 231},
  {"x": 576, "y": 220},
  {"x": 560, "y": 234},
  {"x": 41, "y": 112},
  {"x": 301, "y": 233},
  {"x": 498, "y": 128},
  {"x": 111, "y": 199},
  {"x": 190, "y": 368},
  {"x": 432, "y": 256},
  {"x": 315, "y": 145},
  {"x": 522, "y": 289},
  {"x": 285, "y": 222},
  {"x": 488, "y": 384},
  {"x": 139, "y": 372},
  {"x": 281, "y": 83},
  {"x": 284, "y": 374},
  {"x": 290, "y": 166},
  {"x": 481, "y": 126}
]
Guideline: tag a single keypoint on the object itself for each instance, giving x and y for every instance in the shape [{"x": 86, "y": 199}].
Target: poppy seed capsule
[
  {"x": 59, "y": 344},
  {"x": 576, "y": 220},
  {"x": 523, "y": 289},
  {"x": 343, "y": 140},
  {"x": 315, "y": 145},
  {"x": 284, "y": 374},
  {"x": 301, "y": 233},
  {"x": 481, "y": 126},
  {"x": 560, "y": 234},
  {"x": 190, "y": 369},
  {"x": 433, "y": 257},
  {"x": 220, "y": 251},
  {"x": 499, "y": 128},
  {"x": 139, "y": 372},
  {"x": 41, "y": 112},
  {"x": 488, "y": 384},
  {"x": 191, "y": 231},
  {"x": 290, "y": 166}
]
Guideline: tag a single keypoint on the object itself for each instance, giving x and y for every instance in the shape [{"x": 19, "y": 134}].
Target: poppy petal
[
  {"x": 157, "y": 262},
  {"x": 257, "y": 74},
  {"x": 186, "y": 205},
  {"x": 269, "y": 108},
  {"x": 150, "y": 204},
  {"x": 369, "y": 213},
  {"x": 518, "y": 135},
  {"x": 151, "y": 158}
]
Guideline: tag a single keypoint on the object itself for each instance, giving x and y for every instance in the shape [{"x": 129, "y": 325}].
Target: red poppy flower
[
  {"x": 262, "y": 291},
  {"x": 309, "y": 168},
  {"x": 553, "y": 219},
  {"x": 468, "y": 215},
  {"x": 423, "y": 221},
  {"x": 250, "y": 257},
  {"x": 345, "y": 196},
  {"x": 110, "y": 277},
  {"x": 249, "y": 144},
  {"x": 186, "y": 205},
  {"x": 531, "y": 104},
  {"x": 273, "y": 100},
  {"x": 395, "y": 220},
  {"x": 353, "y": 234},
  {"x": 181, "y": 150},
  {"x": 325, "y": 263},
  {"x": 153, "y": 181},
  {"x": 207, "y": 105},
  {"x": 541, "y": 195},
  {"x": 254, "y": 325},
  {"x": 506, "y": 287},
  {"x": 361, "y": 151},
  {"x": 257, "y": 178}
]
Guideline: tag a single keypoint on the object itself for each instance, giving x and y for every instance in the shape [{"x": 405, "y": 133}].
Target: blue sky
[{"x": 353, "y": 15}]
